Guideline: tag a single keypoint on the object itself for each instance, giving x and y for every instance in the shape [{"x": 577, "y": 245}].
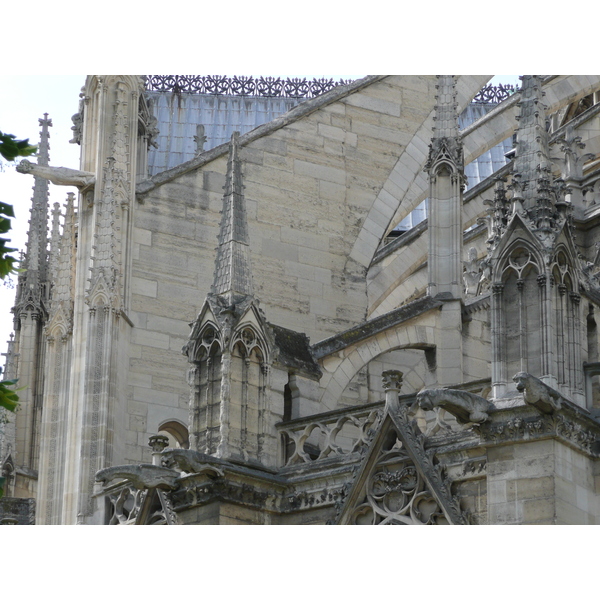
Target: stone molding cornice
[
  {"x": 374, "y": 326},
  {"x": 570, "y": 425},
  {"x": 480, "y": 303}
]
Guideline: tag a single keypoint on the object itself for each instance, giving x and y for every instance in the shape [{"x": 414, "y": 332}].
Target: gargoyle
[
  {"x": 190, "y": 461},
  {"x": 465, "y": 406},
  {"x": 58, "y": 175},
  {"x": 536, "y": 393},
  {"x": 140, "y": 476}
]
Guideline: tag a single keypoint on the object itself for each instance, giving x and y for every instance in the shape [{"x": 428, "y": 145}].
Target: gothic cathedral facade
[{"x": 242, "y": 333}]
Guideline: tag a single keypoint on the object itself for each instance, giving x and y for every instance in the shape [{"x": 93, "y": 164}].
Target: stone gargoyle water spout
[
  {"x": 465, "y": 406},
  {"x": 191, "y": 461},
  {"x": 140, "y": 476},
  {"x": 58, "y": 175},
  {"x": 536, "y": 393}
]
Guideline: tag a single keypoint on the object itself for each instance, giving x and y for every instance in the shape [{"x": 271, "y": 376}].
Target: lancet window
[
  {"x": 205, "y": 377},
  {"x": 567, "y": 323},
  {"x": 521, "y": 312}
]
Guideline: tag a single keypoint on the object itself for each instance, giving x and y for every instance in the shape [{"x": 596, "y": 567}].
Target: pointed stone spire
[
  {"x": 9, "y": 371},
  {"x": 65, "y": 266},
  {"x": 232, "y": 264},
  {"x": 54, "y": 243},
  {"x": 446, "y": 182},
  {"x": 36, "y": 255},
  {"x": 532, "y": 160},
  {"x": 44, "y": 149},
  {"x": 446, "y": 116}
]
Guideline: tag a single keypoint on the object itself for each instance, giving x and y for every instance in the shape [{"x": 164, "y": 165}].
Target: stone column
[
  {"x": 498, "y": 364},
  {"x": 97, "y": 418}
]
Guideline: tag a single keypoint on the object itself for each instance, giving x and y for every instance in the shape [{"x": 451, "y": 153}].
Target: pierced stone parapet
[
  {"x": 220, "y": 85},
  {"x": 494, "y": 94},
  {"x": 328, "y": 435}
]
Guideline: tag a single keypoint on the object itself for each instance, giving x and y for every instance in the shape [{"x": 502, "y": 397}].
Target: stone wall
[
  {"x": 309, "y": 190},
  {"x": 541, "y": 482}
]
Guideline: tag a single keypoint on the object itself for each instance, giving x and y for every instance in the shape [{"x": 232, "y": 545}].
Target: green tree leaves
[
  {"x": 8, "y": 397},
  {"x": 6, "y": 262},
  {"x": 11, "y": 147}
]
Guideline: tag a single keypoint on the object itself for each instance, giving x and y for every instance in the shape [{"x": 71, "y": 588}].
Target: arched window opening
[{"x": 177, "y": 433}]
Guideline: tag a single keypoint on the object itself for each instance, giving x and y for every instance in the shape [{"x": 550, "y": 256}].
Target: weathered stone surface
[{"x": 279, "y": 238}]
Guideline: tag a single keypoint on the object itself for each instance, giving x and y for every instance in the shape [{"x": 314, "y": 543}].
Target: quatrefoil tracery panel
[{"x": 396, "y": 494}]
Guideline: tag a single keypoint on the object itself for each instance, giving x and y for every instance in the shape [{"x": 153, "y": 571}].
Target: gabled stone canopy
[{"x": 398, "y": 483}]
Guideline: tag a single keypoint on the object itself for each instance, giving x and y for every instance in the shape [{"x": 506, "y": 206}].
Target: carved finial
[
  {"x": 199, "y": 139},
  {"x": 44, "y": 148},
  {"x": 158, "y": 442},
  {"x": 392, "y": 380}
]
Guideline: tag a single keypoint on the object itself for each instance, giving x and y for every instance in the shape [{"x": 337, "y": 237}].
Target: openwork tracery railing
[
  {"x": 494, "y": 94},
  {"x": 242, "y": 86},
  {"x": 273, "y": 87},
  {"x": 331, "y": 434}
]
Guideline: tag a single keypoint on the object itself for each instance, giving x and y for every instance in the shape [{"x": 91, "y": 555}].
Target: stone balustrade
[{"x": 335, "y": 433}]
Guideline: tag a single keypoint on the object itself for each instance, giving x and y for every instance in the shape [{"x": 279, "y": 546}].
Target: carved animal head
[
  {"x": 521, "y": 380},
  {"x": 24, "y": 166},
  {"x": 425, "y": 399}
]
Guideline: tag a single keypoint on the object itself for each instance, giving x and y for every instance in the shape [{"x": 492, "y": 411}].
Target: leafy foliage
[
  {"x": 6, "y": 262},
  {"x": 8, "y": 397},
  {"x": 10, "y": 147}
]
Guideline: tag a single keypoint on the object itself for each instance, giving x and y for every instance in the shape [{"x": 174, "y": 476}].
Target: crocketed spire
[
  {"x": 446, "y": 117},
  {"x": 29, "y": 294},
  {"x": 64, "y": 270},
  {"x": 532, "y": 154},
  {"x": 232, "y": 264},
  {"x": 445, "y": 150}
]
